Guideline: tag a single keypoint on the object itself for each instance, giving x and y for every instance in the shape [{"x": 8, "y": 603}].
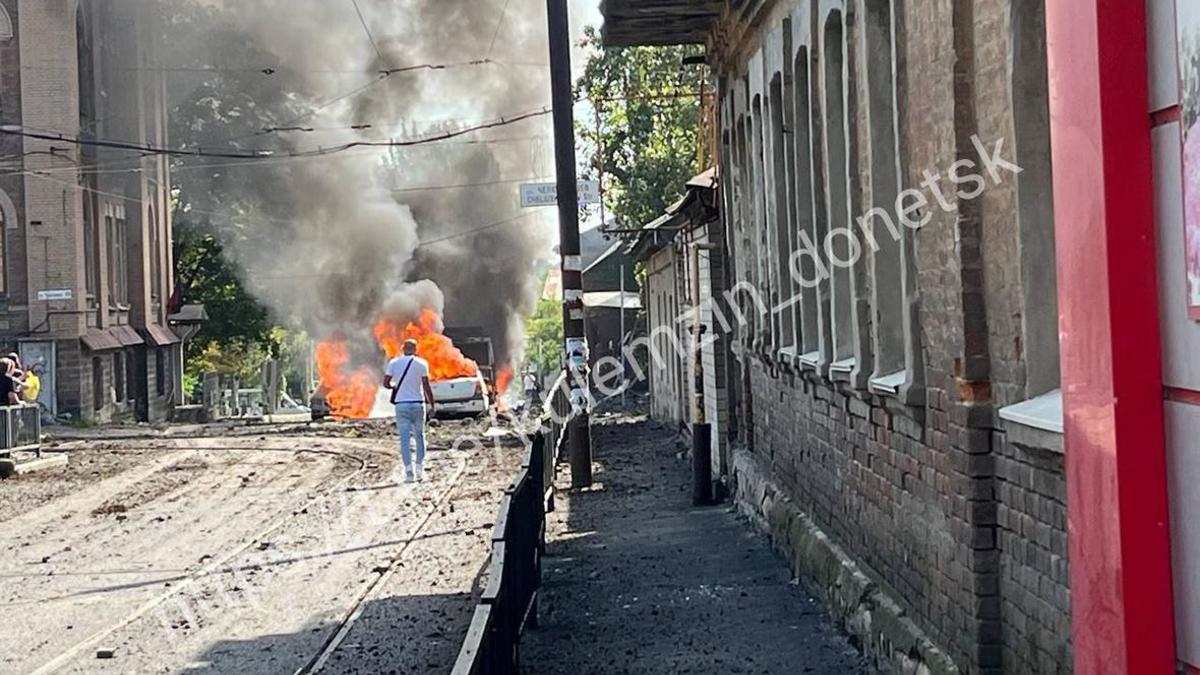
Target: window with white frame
[
  {"x": 840, "y": 243},
  {"x": 783, "y": 312},
  {"x": 802, "y": 267},
  {"x": 758, "y": 222},
  {"x": 1042, "y": 407},
  {"x": 1035, "y": 200},
  {"x": 882, "y": 233}
]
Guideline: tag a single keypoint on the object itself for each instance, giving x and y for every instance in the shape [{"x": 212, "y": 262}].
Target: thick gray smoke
[{"x": 334, "y": 243}]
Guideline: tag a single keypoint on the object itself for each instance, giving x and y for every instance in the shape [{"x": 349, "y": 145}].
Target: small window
[
  {"x": 758, "y": 226},
  {"x": 118, "y": 366},
  {"x": 97, "y": 384},
  {"x": 839, "y": 243},
  {"x": 782, "y": 298},
  {"x": 4, "y": 225},
  {"x": 160, "y": 371},
  {"x": 881, "y": 230},
  {"x": 6, "y": 26},
  {"x": 131, "y": 377},
  {"x": 1035, "y": 201},
  {"x": 807, "y": 207}
]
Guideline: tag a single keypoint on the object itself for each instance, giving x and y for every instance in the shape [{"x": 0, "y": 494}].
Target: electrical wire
[
  {"x": 367, "y": 29},
  {"x": 499, "y": 25},
  {"x": 125, "y": 165},
  {"x": 16, "y": 130},
  {"x": 460, "y": 186},
  {"x": 285, "y": 221}
]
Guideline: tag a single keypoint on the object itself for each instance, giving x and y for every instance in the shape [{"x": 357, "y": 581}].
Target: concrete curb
[
  {"x": 43, "y": 463},
  {"x": 861, "y": 607}
]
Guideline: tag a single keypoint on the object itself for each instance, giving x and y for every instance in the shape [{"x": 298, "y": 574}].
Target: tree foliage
[
  {"x": 648, "y": 106},
  {"x": 544, "y": 336},
  {"x": 239, "y": 335}
]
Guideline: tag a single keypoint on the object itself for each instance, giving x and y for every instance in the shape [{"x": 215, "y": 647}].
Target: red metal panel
[
  {"x": 1181, "y": 395},
  {"x": 1116, "y": 462}
]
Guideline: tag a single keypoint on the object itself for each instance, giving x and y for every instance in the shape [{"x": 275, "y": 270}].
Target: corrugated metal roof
[
  {"x": 658, "y": 22},
  {"x": 612, "y": 300},
  {"x": 161, "y": 336}
]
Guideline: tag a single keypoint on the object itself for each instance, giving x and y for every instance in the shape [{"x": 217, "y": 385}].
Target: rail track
[{"x": 360, "y": 457}]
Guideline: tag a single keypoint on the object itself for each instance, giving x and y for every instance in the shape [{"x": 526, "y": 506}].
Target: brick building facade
[
  {"x": 898, "y": 417},
  {"x": 87, "y": 247}
]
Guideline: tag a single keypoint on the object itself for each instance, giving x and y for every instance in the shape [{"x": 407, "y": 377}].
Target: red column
[{"x": 1122, "y": 613}]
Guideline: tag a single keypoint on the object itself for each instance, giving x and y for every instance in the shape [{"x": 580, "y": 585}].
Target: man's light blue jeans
[{"x": 410, "y": 421}]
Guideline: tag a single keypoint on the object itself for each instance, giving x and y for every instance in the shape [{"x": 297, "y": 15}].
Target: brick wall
[
  {"x": 1032, "y": 537},
  {"x": 39, "y": 83},
  {"x": 12, "y": 185},
  {"x": 958, "y": 515}
]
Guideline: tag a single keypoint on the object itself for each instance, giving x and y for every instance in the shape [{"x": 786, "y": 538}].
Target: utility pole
[
  {"x": 579, "y": 434},
  {"x": 621, "y": 340}
]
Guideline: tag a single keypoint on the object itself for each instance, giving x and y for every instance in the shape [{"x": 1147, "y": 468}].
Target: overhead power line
[
  {"x": 226, "y": 217},
  {"x": 17, "y": 130},
  {"x": 499, "y": 25},
  {"x": 367, "y": 29}
]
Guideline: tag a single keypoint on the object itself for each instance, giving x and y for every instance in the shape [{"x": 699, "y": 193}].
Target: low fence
[
  {"x": 510, "y": 598},
  {"x": 20, "y": 428}
]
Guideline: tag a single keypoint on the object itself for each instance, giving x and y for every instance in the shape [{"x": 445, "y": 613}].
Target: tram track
[
  {"x": 217, "y": 563},
  {"x": 319, "y": 548}
]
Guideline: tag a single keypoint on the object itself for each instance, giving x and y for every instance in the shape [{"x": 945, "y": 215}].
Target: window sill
[
  {"x": 810, "y": 360},
  {"x": 787, "y": 356},
  {"x": 1044, "y": 413},
  {"x": 888, "y": 385},
  {"x": 842, "y": 370}
]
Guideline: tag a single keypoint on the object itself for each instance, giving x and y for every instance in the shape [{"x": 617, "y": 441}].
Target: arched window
[
  {"x": 6, "y": 25},
  {"x": 1035, "y": 202},
  {"x": 884, "y": 234},
  {"x": 838, "y": 248},
  {"x": 8, "y": 220}
]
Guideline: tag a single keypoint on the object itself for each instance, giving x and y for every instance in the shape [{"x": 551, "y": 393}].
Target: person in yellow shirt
[{"x": 32, "y": 386}]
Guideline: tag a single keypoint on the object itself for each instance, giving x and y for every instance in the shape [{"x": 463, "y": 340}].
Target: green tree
[
  {"x": 239, "y": 335},
  {"x": 544, "y": 336},
  {"x": 648, "y": 104}
]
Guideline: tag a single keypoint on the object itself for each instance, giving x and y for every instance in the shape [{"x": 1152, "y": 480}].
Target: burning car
[
  {"x": 459, "y": 382},
  {"x": 462, "y": 396}
]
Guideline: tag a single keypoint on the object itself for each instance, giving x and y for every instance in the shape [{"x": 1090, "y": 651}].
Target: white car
[{"x": 461, "y": 396}]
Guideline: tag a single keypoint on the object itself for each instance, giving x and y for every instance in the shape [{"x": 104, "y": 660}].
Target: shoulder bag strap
[{"x": 396, "y": 391}]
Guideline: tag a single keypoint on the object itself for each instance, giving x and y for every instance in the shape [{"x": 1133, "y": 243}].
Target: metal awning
[
  {"x": 117, "y": 337},
  {"x": 630, "y": 23},
  {"x": 160, "y": 336},
  {"x": 612, "y": 300}
]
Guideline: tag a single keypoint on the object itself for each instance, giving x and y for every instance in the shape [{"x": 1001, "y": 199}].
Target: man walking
[{"x": 407, "y": 376}]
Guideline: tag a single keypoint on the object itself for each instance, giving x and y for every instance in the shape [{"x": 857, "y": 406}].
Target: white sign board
[
  {"x": 546, "y": 194},
  {"x": 47, "y": 296}
]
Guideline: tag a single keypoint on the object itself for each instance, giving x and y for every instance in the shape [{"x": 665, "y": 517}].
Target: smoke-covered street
[{"x": 291, "y": 551}]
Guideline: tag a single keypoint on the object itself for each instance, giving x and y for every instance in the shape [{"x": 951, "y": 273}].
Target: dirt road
[{"x": 279, "y": 553}]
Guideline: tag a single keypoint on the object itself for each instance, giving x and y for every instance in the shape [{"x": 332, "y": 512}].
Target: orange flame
[
  {"x": 445, "y": 360},
  {"x": 351, "y": 393},
  {"x": 503, "y": 380}
]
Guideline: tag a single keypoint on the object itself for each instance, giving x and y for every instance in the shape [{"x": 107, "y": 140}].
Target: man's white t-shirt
[{"x": 408, "y": 390}]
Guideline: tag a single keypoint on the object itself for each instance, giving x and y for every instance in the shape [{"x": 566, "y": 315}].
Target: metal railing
[
  {"x": 509, "y": 601},
  {"x": 20, "y": 429}
]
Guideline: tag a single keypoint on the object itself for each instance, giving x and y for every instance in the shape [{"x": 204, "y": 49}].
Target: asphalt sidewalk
[{"x": 636, "y": 580}]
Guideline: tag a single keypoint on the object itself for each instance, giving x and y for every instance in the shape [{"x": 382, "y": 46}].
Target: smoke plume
[{"x": 335, "y": 242}]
